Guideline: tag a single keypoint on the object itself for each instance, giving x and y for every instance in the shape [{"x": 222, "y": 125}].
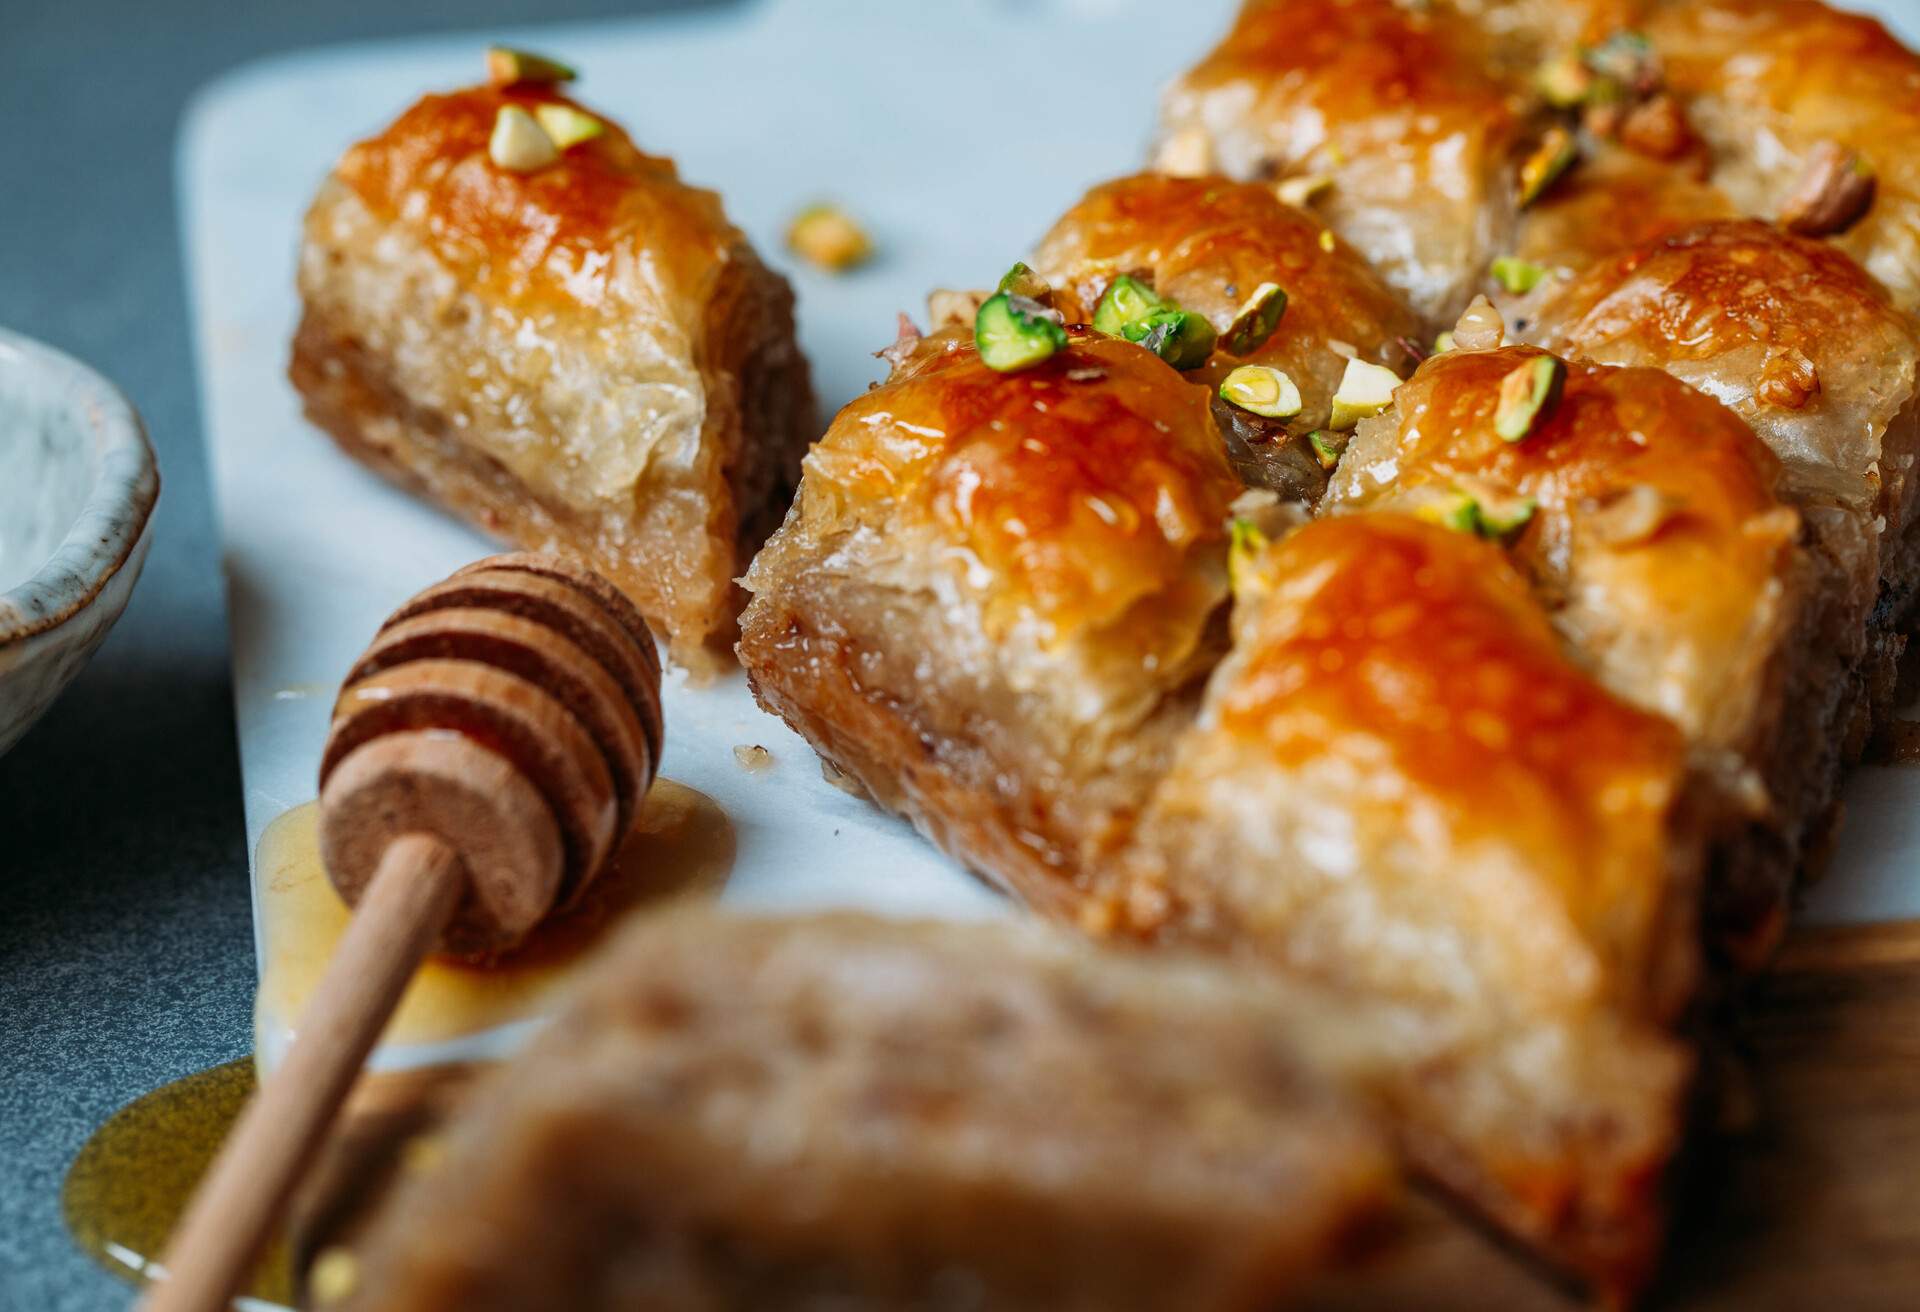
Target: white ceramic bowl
[{"x": 77, "y": 487}]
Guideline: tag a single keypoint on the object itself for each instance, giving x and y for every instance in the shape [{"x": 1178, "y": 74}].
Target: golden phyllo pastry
[{"x": 511, "y": 309}]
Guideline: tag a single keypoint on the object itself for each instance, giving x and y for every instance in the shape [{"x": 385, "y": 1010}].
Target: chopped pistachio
[
  {"x": 1328, "y": 446},
  {"x": 1528, "y": 395},
  {"x": 1625, "y": 59},
  {"x": 1132, "y": 310},
  {"x": 1564, "y": 80},
  {"x": 1443, "y": 343},
  {"x": 1326, "y": 240},
  {"x": 1261, "y": 390},
  {"x": 1505, "y": 518},
  {"x": 508, "y": 67},
  {"x": 1303, "y": 189},
  {"x": 1013, "y": 332},
  {"x": 567, "y": 126},
  {"x": 1180, "y": 337},
  {"x": 1552, "y": 157},
  {"x": 1464, "y": 513},
  {"x": 1245, "y": 542},
  {"x": 1022, "y": 281},
  {"x": 1365, "y": 390},
  {"x": 519, "y": 144},
  {"x": 1126, "y": 301},
  {"x": 828, "y": 237},
  {"x": 1255, "y": 320},
  {"x": 1835, "y": 190},
  {"x": 1517, "y": 275}
]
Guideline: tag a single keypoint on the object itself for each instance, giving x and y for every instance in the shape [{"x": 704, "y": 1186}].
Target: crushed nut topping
[{"x": 1834, "y": 192}]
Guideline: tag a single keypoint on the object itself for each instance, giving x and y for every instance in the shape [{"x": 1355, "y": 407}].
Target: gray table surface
[{"x": 126, "y": 956}]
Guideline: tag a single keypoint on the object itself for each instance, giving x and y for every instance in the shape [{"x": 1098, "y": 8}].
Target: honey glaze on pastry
[
  {"x": 1811, "y": 112},
  {"x": 584, "y": 355},
  {"x": 995, "y": 595},
  {"x": 1798, "y": 340},
  {"x": 1212, "y": 245},
  {"x": 1401, "y": 788},
  {"x": 1647, "y": 514}
]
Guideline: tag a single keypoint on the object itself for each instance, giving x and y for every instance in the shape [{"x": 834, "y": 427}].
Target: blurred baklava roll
[
  {"x": 998, "y": 590},
  {"x": 733, "y": 1115},
  {"x": 512, "y": 310}
]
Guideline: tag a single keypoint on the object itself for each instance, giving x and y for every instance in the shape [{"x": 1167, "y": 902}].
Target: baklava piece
[
  {"x": 863, "y": 1115},
  {"x": 1402, "y": 790},
  {"x": 1810, "y": 113},
  {"x": 1290, "y": 312},
  {"x": 1802, "y": 344},
  {"x": 995, "y": 597},
  {"x": 510, "y": 309},
  {"x": 1426, "y": 154}
]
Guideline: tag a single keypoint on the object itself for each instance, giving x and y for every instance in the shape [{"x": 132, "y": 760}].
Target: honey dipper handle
[{"x": 409, "y": 900}]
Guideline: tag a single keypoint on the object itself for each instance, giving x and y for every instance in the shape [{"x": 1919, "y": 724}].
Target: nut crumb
[
  {"x": 829, "y": 238},
  {"x": 1833, "y": 193},
  {"x": 752, "y": 757}
]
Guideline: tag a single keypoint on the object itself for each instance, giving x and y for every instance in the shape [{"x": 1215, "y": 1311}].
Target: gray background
[{"x": 126, "y": 954}]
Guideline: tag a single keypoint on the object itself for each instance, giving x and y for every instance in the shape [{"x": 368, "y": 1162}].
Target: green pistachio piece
[
  {"x": 1255, "y": 321},
  {"x": 1528, "y": 395},
  {"x": 1180, "y": 337},
  {"x": 518, "y": 143},
  {"x": 1328, "y": 446},
  {"x": 1245, "y": 543},
  {"x": 1517, "y": 275},
  {"x": 1464, "y": 513},
  {"x": 1262, "y": 390},
  {"x": 1443, "y": 343},
  {"x": 1552, "y": 157},
  {"x": 1365, "y": 390},
  {"x": 1127, "y": 301},
  {"x": 567, "y": 126},
  {"x": 509, "y": 67},
  {"x": 1022, "y": 281},
  {"x": 1625, "y": 59},
  {"x": 1564, "y": 80},
  {"x": 1016, "y": 332}
]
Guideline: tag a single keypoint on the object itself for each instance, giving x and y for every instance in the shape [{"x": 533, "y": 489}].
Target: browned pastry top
[
  {"x": 1079, "y": 486},
  {"x": 1209, "y": 243},
  {"x": 1343, "y": 62},
  {"x": 1420, "y": 658},
  {"x": 1612, "y": 429},
  {"x": 540, "y": 235}
]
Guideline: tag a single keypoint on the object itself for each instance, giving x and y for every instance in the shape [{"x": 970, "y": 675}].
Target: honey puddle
[
  {"x": 132, "y": 1178},
  {"x": 683, "y": 844}
]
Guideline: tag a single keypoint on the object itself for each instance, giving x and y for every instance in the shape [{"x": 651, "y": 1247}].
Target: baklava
[
  {"x": 509, "y": 308},
  {"x": 860, "y": 1115}
]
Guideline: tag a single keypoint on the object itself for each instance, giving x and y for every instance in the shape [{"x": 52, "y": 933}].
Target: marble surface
[{"x": 126, "y": 948}]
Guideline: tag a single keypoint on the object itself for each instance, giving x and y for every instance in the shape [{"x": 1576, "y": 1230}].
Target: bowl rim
[{"x": 115, "y": 514}]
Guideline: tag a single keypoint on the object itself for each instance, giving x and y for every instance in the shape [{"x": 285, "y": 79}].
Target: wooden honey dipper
[{"x": 489, "y": 753}]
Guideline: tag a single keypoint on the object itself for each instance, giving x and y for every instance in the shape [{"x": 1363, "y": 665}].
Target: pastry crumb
[{"x": 752, "y": 757}]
